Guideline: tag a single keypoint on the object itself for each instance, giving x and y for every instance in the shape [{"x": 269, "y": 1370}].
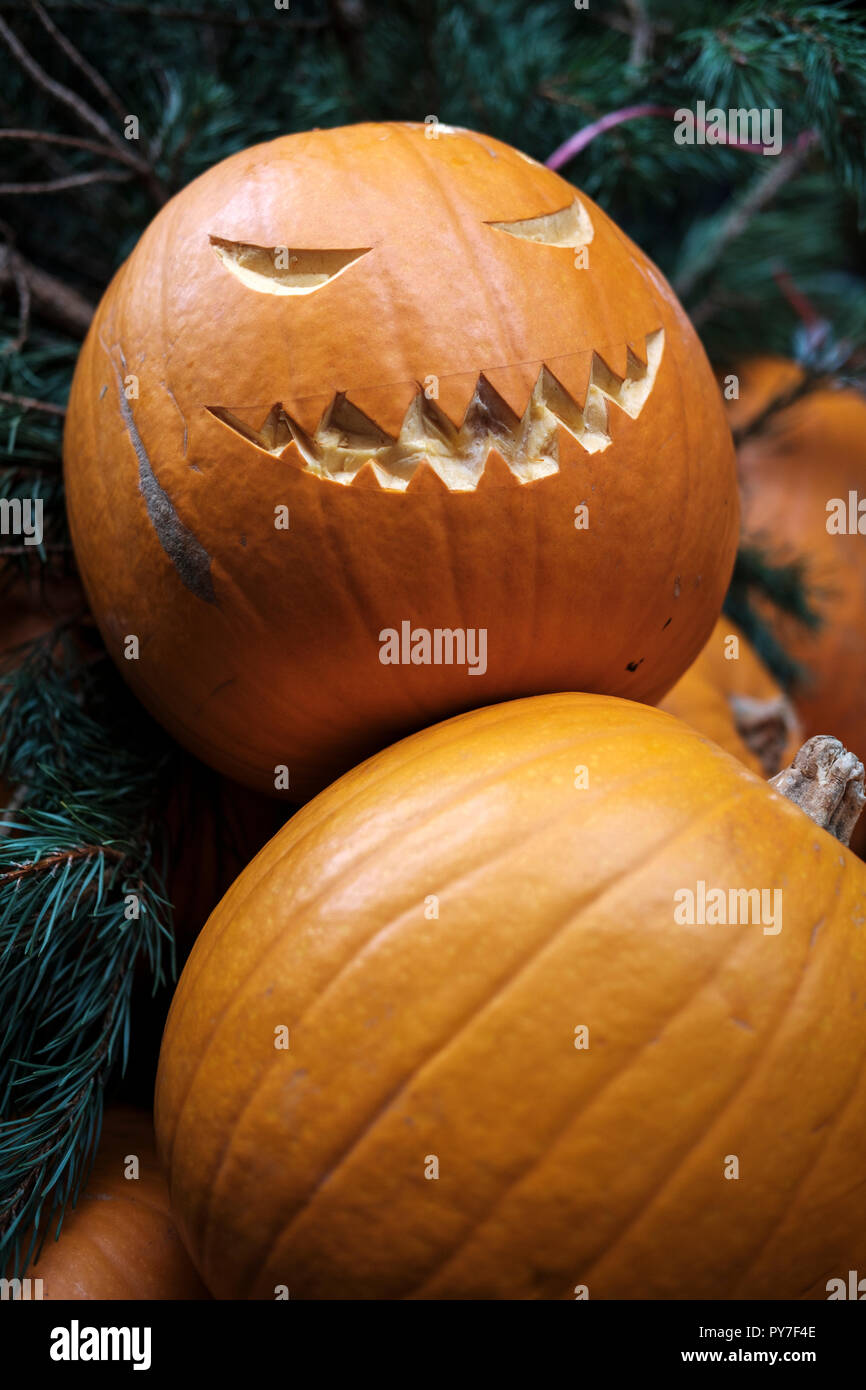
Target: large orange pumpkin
[
  {"x": 383, "y": 422},
  {"x": 729, "y": 695},
  {"x": 120, "y": 1241},
  {"x": 510, "y": 1070},
  {"x": 810, "y": 454}
]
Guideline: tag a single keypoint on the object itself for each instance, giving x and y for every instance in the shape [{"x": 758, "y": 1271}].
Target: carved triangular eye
[
  {"x": 280, "y": 270},
  {"x": 571, "y": 227}
]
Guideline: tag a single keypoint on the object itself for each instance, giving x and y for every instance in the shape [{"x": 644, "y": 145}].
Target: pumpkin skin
[
  {"x": 454, "y": 1037},
  {"x": 737, "y": 703},
  {"x": 260, "y": 648},
  {"x": 120, "y": 1242},
  {"x": 811, "y": 452}
]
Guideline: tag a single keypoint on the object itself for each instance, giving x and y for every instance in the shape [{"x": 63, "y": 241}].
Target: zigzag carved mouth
[{"x": 346, "y": 439}]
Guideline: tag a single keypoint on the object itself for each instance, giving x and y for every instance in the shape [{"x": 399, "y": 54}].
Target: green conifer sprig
[{"x": 82, "y": 905}]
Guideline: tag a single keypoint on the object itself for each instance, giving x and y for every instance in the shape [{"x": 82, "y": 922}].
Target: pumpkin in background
[
  {"x": 431, "y": 934},
  {"x": 120, "y": 1241},
  {"x": 355, "y": 388},
  {"x": 809, "y": 453},
  {"x": 736, "y": 702}
]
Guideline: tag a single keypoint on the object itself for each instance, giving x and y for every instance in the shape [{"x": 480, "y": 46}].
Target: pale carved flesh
[{"x": 346, "y": 439}]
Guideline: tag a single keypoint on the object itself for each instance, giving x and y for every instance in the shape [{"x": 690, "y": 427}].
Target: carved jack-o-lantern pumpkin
[{"x": 380, "y": 423}]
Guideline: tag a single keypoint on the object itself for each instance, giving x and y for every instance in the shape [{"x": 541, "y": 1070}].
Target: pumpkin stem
[
  {"x": 825, "y": 781},
  {"x": 767, "y": 727}
]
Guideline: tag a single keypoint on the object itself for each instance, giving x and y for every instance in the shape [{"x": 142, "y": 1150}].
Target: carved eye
[
  {"x": 280, "y": 270},
  {"x": 571, "y": 227}
]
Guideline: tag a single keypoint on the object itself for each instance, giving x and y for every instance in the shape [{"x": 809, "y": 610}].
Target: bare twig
[
  {"x": 82, "y": 109},
  {"x": 16, "y": 344},
  {"x": 55, "y": 299},
  {"x": 212, "y": 17},
  {"x": 71, "y": 181},
  {"x": 95, "y": 78},
  {"x": 737, "y": 220},
  {"x": 78, "y": 142},
  {"x": 30, "y": 403},
  {"x": 85, "y": 113},
  {"x": 642, "y": 34}
]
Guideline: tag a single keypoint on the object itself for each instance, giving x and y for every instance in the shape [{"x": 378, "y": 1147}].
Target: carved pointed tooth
[
  {"x": 366, "y": 478},
  {"x": 386, "y": 406},
  {"x": 308, "y": 411},
  {"x": 426, "y": 427},
  {"x": 637, "y": 351},
  {"x": 573, "y": 374},
  {"x": 455, "y": 394},
  {"x": 496, "y": 473},
  {"x": 514, "y": 384},
  {"x": 615, "y": 358},
  {"x": 268, "y": 433},
  {"x": 426, "y": 482}
]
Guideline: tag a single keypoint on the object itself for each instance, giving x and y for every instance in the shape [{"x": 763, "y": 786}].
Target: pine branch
[{"x": 81, "y": 903}]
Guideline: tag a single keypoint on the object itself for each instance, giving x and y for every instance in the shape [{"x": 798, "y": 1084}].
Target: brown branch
[
  {"x": 72, "y": 181},
  {"x": 16, "y": 344},
  {"x": 642, "y": 34},
  {"x": 95, "y": 78},
  {"x": 56, "y": 300},
  {"x": 212, "y": 17},
  {"x": 66, "y": 856},
  {"x": 85, "y": 113},
  {"x": 82, "y": 109},
  {"x": 762, "y": 192},
  {"x": 30, "y": 403},
  {"x": 77, "y": 142}
]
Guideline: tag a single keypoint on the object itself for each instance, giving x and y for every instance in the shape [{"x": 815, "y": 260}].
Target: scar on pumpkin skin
[
  {"x": 346, "y": 439},
  {"x": 182, "y": 547}
]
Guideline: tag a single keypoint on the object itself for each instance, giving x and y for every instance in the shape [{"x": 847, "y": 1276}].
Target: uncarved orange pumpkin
[
  {"x": 120, "y": 1241},
  {"x": 390, "y": 375},
  {"x": 729, "y": 695},
  {"x": 432, "y": 935},
  {"x": 811, "y": 453}
]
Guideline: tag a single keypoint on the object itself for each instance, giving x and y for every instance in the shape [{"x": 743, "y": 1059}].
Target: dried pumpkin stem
[
  {"x": 825, "y": 781},
  {"x": 767, "y": 727}
]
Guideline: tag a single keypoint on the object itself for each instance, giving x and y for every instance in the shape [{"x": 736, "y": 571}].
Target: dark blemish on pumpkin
[
  {"x": 243, "y": 540},
  {"x": 815, "y": 930},
  {"x": 633, "y": 665},
  {"x": 184, "y": 549},
  {"x": 103, "y": 391},
  {"x": 222, "y": 685},
  {"x": 677, "y": 587},
  {"x": 664, "y": 625},
  {"x": 741, "y": 1023}
]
